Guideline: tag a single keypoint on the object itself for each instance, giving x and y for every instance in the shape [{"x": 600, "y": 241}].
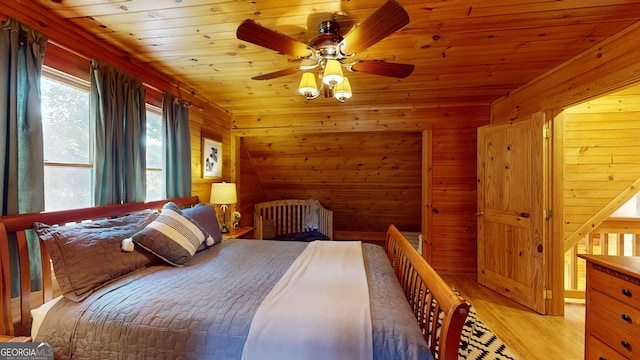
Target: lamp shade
[
  {"x": 342, "y": 91},
  {"x": 223, "y": 193},
  {"x": 308, "y": 85},
  {"x": 332, "y": 73}
]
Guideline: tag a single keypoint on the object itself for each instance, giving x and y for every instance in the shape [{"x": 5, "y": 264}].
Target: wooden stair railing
[{"x": 615, "y": 236}]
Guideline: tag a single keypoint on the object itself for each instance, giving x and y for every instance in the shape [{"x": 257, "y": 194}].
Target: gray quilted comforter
[{"x": 204, "y": 310}]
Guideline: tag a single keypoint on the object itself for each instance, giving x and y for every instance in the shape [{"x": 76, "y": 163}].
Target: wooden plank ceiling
[{"x": 464, "y": 52}]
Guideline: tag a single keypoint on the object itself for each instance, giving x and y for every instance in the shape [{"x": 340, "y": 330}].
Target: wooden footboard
[
  {"x": 429, "y": 296},
  {"x": 15, "y": 226},
  {"x": 289, "y": 216}
]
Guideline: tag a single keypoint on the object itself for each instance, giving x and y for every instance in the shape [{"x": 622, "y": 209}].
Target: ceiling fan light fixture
[
  {"x": 308, "y": 86},
  {"x": 332, "y": 73},
  {"x": 327, "y": 53},
  {"x": 342, "y": 91}
]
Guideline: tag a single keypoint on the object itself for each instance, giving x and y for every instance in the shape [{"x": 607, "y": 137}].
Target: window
[
  {"x": 630, "y": 209},
  {"x": 68, "y": 151},
  {"x": 155, "y": 187},
  {"x": 68, "y": 144}
]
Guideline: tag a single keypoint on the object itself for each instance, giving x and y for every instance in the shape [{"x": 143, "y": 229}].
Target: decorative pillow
[
  {"x": 171, "y": 236},
  {"x": 205, "y": 216},
  {"x": 87, "y": 255}
]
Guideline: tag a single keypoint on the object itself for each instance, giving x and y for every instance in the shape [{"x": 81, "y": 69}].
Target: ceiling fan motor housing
[{"x": 326, "y": 43}]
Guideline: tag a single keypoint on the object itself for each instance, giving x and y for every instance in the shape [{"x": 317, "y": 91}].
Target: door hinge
[
  {"x": 547, "y": 294},
  {"x": 546, "y": 133},
  {"x": 548, "y": 213}
]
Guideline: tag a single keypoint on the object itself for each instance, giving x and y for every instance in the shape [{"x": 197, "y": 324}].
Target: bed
[
  {"x": 206, "y": 307},
  {"x": 293, "y": 219}
]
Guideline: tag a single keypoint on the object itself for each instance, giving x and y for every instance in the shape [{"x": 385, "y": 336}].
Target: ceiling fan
[{"x": 330, "y": 52}]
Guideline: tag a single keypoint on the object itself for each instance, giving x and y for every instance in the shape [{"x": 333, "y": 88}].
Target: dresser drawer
[
  {"x": 619, "y": 340},
  {"x": 621, "y": 287},
  {"x": 620, "y": 316},
  {"x": 597, "y": 350}
]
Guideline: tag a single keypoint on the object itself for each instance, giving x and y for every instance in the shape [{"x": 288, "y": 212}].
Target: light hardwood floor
[{"x": 527, "y": 334}]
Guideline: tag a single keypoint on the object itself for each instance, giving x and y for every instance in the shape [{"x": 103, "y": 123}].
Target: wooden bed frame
[
  {"x": 426, "y": 292},
  {"x": 289, "y": 217}
]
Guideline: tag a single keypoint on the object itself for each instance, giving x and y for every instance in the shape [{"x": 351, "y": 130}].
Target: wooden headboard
[
  {"x": 429, "y": 295},
  {"x": 20, "y": 324}
]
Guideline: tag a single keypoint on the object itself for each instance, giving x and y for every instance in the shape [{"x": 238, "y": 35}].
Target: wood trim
[
  {"x": 556, "y": 281},
  {"x": 427, "y": 195}
]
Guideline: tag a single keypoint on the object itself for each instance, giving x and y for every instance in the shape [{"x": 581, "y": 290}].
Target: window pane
[
  {"x": 154, "y": 140},
  {"x": 155, "y": 190},
  {"x": 65, "y": 122},
  {"x": 67, "y": 187}
]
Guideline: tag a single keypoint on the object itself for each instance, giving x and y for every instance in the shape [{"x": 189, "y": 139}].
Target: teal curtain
[
  {"x": 176, "y": 141},
  {"x": 21, "y": 140},
  {"x": 118, "y": 109}
]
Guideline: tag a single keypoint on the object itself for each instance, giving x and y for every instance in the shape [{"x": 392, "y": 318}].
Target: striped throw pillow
[{"x": 172, "y": 237}]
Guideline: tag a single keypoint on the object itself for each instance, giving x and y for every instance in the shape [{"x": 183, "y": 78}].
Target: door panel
[{"x": 511, "y": 245}]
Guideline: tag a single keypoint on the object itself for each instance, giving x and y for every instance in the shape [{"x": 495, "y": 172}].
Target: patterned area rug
[{"x": 479, "y": 342}]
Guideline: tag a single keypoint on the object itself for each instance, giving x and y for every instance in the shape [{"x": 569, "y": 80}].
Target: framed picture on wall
[{"x": 211, "y": 157}]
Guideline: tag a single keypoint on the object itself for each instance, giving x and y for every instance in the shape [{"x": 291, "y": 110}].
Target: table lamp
[{"x": 223, "y": 194}]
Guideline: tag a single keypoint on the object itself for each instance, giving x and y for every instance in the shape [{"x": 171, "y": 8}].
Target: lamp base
[{"x": 224, "y": 229}]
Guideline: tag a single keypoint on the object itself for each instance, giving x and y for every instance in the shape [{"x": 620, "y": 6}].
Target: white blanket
[{"x": 319, "y": 309}]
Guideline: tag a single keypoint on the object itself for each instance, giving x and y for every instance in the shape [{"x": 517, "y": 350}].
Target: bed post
[{"x": 6, "y": 322}]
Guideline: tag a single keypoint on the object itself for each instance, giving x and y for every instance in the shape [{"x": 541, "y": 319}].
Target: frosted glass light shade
[
  {"x": 223, "y": 193},
  {"x": 332, "y": 73},
  {"x": 342, "y": 91},
  {"x": 308, "y": 85}
]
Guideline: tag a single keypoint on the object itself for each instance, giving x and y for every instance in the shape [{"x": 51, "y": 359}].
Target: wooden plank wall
[
  {"x": 601, "y": 159},
  {"x": 368, "y": 179},
  {"x": 366, "y": 167},
  {"x": 453, "y": 208},
  {"x": 216, "y": 127}
]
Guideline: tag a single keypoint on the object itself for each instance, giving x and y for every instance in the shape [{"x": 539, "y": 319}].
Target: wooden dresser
[{"x": 612, "y": 326}]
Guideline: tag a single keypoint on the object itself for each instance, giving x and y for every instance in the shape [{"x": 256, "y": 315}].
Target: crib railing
[{"x": 616, "y": 236}]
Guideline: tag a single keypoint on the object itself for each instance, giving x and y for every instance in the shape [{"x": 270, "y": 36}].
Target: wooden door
[{"x": 511, "y": 233}]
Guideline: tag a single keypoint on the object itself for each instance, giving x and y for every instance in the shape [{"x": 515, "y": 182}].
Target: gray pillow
[
  {"x": 88, "y": 255},
  {"x": 205, "y": 216},
  {"x": 171, "y": 236}
]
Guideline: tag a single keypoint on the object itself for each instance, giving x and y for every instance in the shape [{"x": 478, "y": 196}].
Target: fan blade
[
  {"x": 383, "y": 68},
  {"x": 257, "y": 34},
  {"x": 382, "y": 23},
  {"x": 276, "y": 74}
]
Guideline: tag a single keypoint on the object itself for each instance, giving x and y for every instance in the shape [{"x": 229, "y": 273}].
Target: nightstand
[{"x": 239, "y": 233}]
